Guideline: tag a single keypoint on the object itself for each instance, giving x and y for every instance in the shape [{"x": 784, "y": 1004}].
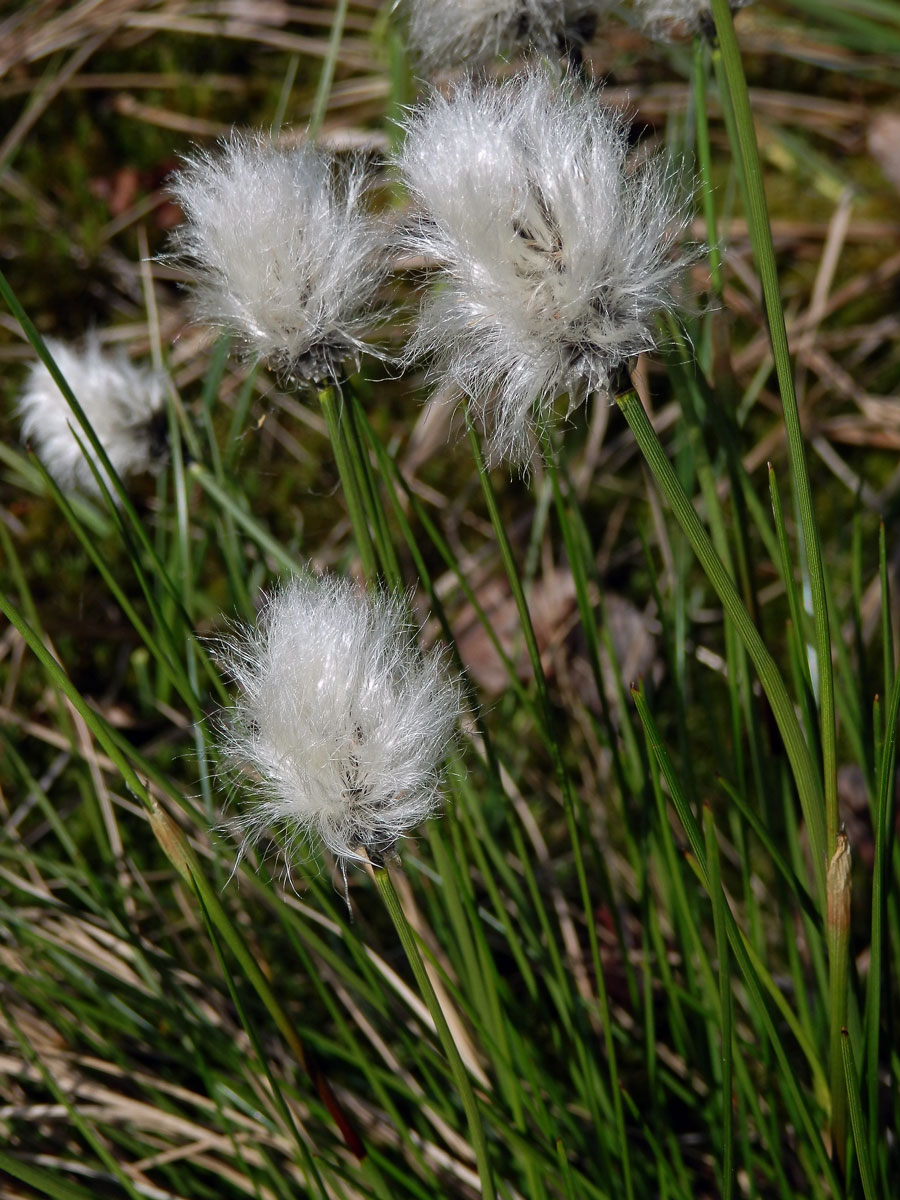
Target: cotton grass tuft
[
  {"x": 340, "y": 718},
  {"x": 449, "y": 32},
  {"x": 124, "y": 404},
  {"x": 555, "y": 256},
  {"x": 668, "y": 19},
  {"x": 283, "y": 251}
]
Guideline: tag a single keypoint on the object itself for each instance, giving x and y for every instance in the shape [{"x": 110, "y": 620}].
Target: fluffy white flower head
[
  {"x": 447, "y": 32},
  {"x": 339, "y": 716},
  {"x": 666, "y": 19},
  {"x": 555, "y": 258},
  {"x": 123, "y": 402},
  {"x": 283, "y": 251}
]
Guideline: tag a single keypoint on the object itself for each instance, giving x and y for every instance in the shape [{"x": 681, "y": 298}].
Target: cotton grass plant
[
  {"x": 124, "y": 403},
  {"x": 341, "y": 719},
  {"x": 669, "y": 19},
  {"x": 282, "y": 251},
  {"x": 556, "y": 257},
  {"x": 471, "y": 32},
  {"x": 631, "y": 961}
]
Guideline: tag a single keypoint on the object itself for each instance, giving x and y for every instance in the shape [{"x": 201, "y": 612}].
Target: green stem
[
  {"x": 860, "y": 1138},
  {"x": 178, "y": 850},
  {"x": 837, "y": 928},
  {"x": 357, "y": 440},
  {"x": 726, "y": 1014},
  {"x": 705, "y": 161},
  {"x": 569, "y": 798},
  {"x": 329, "y": 398},
  {"x": 764, "y": 253},
  {"x": 323, "y": 91},
  {"x": 877, "y": 986},
  {"x": 806, "y": 778},
  {"x": 457, "y": 1067}
]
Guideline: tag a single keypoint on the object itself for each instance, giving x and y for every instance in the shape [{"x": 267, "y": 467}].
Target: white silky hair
[
  {"x": 341, "y": 719},
  {"x": 448, "y": 32},
  {"x": 283, "y": 251},
  {"x": 663, "y": 18},
  {"x": 124, "y": 404},
  {"x": 555, "y": 256}
]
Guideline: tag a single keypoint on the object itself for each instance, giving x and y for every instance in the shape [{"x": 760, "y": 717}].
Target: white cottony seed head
[
  {"x": 124, "y": 404},
  {"x": 556, "y": 257},
  {"x": 283, "y": 251},
  {"x": 446, "y": 32},
  {"x": 667, "y": 18},
  {"x": 340, "y": 717}
]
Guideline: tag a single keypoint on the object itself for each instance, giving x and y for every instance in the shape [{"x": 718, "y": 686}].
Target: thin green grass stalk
[
  {"x": 805, "y": 775},
  {"x": 501, "y": 913},
  {"x": 237, "y": 427},
  {"x": 725, "y": 1000},
  {"x": 764, "y": 253},
  {"x": 878, "y": 981},
  {"x": 171, "y": 664},
  {"x": 887, "y": 632},
  {"x": 684, "y": 920},
  {"x": 863, "y": 26},
  {"x": 353, "y": 1051},
  {"x": 390, "y": 470},
  {"x": 705, "y": 163},
  {"x": 566, "y": 1170},
  {"x": 782, "y": 866},
  {"x": 858, "y": 682},
  {"x": 79, "y": 1121},
  {"x": 60, "y": 680},
  {"x": 851, "y": 698},
  {"x": 179, "y": 853},
  {"x": 26, "y": 478},
  {"x": 389, "y": 475},
  {"x": 287, "y": 86},
  {"x": 43, "y": 1182},
  {"x": 227, "y": 536},
  {"x": 356, "y": 426},
  {"x": 349, "y": 471},
  {"x": 284, "y": 1112},
  {"x": 479, "y": 971},
  {"x": 569, "y": 799},
  {"x": 131, "y": 527},
  {"x": 234, "y": 510},
  {"x": 790, "y": 583},
  {"x": 482, "y": 981},
  {"x": 127, "y": 518},
  {"x": 182, "y": 549},
  {"x": 326, "y": 78},
  {"x": 837, "y": 928},
  {"x": 578, "y": 554},
  {"x": 882, "y": 822},
  {"x": 458, "y": 1070},
  {"x": 162, "y": 602},
  {"x": 878, "y": 743},
  {"x": 755, "y": 975},
  {"x": 861, "y": 1141},
  {"x": 741, "y": 944},
  {"x": 32, "y": 787},
  {"x": 540, "y": 943}
]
